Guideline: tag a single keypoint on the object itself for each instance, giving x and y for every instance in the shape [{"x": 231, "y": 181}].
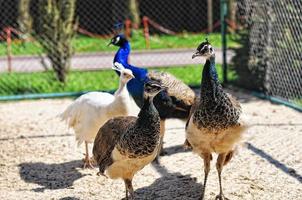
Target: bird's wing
[
  {"x": 178, "y": 95},
  {"x": 193, "y": 108},
  {"x": 84, "y": 104},
  {"x": 176, "y": 87},
  {"x": 107, "y": 137},
  {"x": 234, "y": 102}
]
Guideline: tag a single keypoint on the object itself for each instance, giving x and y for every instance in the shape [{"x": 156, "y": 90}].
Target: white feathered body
[{"x": 91, "y": 110}]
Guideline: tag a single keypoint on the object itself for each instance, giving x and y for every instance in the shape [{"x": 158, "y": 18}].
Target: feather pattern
[
  {"x": 91, "y": 110},
  {"x": 175, "y": 102},
  {"x": 215, "y": 124},
  {"x": 107, "y": 137},
  {"x": 216, "y": 109},
  {"x": 133, "y": 144},
  {"x": 125, "y": 145}
]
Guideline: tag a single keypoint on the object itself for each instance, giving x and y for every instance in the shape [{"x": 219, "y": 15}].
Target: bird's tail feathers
[{"x": 69, "y": 116}]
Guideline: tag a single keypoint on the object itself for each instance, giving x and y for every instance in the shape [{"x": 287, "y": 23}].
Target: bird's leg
[
  {"x": 207, "y": 157},
  {"x": 126, "y": 187},
  {"x": 87, "y": 160},
  {"x": 129, "y": 188},
  {"x": 219, "y": 165},
  {"x": 162, "y": 132},
  {"x": 161, "y": 151}
]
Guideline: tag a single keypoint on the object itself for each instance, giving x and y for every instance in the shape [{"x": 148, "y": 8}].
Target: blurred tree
[
  {"x": 24, "y": 19},
  {"x": 134, "y": 13},
  {"x": 56, "y": 31},
  {"x": 232, "y": 14}
]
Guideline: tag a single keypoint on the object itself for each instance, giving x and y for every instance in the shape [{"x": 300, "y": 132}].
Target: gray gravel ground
[{"x": 39, "y": 158}]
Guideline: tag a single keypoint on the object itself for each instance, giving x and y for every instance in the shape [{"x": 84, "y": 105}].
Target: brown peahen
[
  {"x": 124, "y": 145},
  {"x": 215, "y": 124}
]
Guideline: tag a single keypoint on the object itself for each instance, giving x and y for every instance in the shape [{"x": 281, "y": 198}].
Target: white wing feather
[{"x": 87, "y": 114}]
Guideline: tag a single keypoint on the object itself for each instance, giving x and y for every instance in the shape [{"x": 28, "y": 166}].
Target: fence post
[
  {"x": 210, "y": 15},
  {"x": 8, "y": 48},
  {"x": 146, "y": 31},
  {"x": 223, "y": 14}
]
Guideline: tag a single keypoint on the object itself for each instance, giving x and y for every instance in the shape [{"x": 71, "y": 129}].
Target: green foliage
[
  {"x": 45, "y": 82},
  {"x": 55, "y": 33},
  {"x": 84, "y": 44}
]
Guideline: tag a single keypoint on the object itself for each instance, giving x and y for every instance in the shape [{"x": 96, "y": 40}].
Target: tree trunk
[
  {"x": 56, "y": 31},
  {"x": 24, "y": 19},
  {"x": 134, "y": 13}
]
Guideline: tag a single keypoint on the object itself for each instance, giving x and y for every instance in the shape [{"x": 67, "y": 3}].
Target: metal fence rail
[{"x": 270, "y": 58}]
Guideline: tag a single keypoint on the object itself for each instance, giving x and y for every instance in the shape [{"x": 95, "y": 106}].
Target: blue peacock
[{"x": 173, "y": 102}]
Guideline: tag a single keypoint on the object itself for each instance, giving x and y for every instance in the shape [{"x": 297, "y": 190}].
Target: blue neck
[
  {"x": 209, "y": 71},
  {"x": 210, "y": 83},
  {"x": 135, "y": 86},
  {"x": 122, "y": 54}
]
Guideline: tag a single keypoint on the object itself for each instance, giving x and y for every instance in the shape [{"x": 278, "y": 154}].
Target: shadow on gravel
[
  {"x": 69, "y": 198},
  {"x": 289, "y": 171},
  {"x": 174, "y": 149},
  {"x": 171, "y": 186},
  {"x": 51, "y": 176}
]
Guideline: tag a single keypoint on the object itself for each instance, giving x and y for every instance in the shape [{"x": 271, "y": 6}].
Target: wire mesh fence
[
  {"x": 61, "y": 46},
  {"x": 40, "y": 41},
  {"x": 269, "y": 59}
]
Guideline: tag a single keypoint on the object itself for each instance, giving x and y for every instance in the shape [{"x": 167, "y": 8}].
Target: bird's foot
[
  {"x": 187, "y": 145},
  {"x": 156, "y": 160},
  {"x": 221, "y": 197},
  {"x": 88, "y": 163},
  {"x": 101, "y": 174},
  {"x": 128, "y": 198}
]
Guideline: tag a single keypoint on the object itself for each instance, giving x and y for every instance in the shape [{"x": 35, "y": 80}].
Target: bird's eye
[
  {"x": 211, "y": 49},
  {"x": 117, "y": 39}
]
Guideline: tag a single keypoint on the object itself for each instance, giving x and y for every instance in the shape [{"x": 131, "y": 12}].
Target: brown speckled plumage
[
  {"x": 141, "y": 139},
  {"x": 175, "y": 87},
  {"x": 219, "y": 113},
  {"x": 107, "y": 137},
  {"x": 176, "y": 100},
  {"x": 124, "y": 145},
  {"x": 215, "y": 124}
]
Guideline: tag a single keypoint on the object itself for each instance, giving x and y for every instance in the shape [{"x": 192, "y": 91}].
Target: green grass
[
  {"x": 45, "y": 82},
  {"x": 83, "y": 44},
  {"x": 297, "y": 101}
]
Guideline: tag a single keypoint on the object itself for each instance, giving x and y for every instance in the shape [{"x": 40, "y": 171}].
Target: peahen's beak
[{"x": 197, "y": 53}]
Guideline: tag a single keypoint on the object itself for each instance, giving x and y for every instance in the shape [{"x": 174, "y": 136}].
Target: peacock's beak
[
  {"x": 110, "y": 43},
  {"x": 197, "y": 53}
]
